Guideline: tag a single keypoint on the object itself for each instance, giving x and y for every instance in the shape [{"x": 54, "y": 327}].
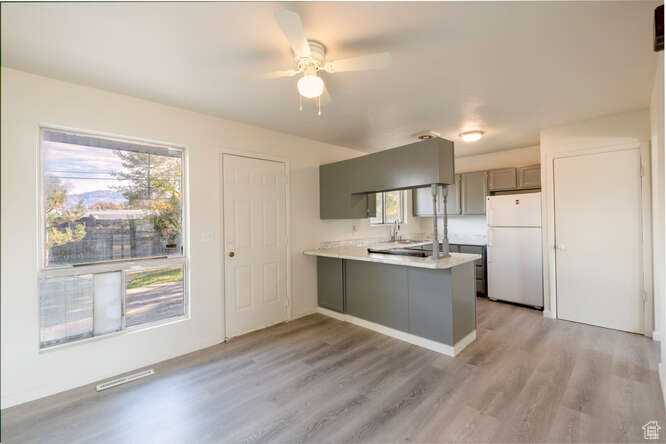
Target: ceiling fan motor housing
[{"x": 312, "y": 64}]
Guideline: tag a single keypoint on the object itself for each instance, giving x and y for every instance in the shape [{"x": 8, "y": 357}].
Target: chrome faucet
[{"x": 395, "y": 227}]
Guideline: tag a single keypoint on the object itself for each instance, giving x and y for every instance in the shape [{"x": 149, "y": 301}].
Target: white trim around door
[{"x": 550, "y": 269}]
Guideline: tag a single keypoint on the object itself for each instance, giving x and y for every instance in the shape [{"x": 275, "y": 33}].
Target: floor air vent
[{"x": 124, "y": 379}]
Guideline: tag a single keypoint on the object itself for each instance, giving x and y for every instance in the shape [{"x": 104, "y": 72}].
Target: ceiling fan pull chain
[
  {"x": 300, "y": 102},
  {"x": 319, "y": 105}
]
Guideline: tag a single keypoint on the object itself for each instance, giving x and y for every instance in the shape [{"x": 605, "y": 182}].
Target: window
[
  {"x": 390, "y": 208},
  {"x": 113, "y": 235}
]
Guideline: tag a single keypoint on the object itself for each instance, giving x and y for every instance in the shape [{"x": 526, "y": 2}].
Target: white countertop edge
[{"x": 451, "y": 261}]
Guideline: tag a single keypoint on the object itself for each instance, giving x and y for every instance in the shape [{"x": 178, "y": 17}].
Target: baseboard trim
[
  {"x": 656, "y": 336},
  {"x": 401, "y": 335},
  {"x": 548, "y": 314}
]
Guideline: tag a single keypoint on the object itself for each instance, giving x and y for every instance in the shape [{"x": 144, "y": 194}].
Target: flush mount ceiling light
[
  {"x": 310, "y": 86},
  {"x": 471, "y": 136}
]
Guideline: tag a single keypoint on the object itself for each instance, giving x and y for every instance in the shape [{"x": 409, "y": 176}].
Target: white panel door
[
  {"x": 255, "y": 240},
  {"x": 598, "y": 239},
  {"x": 514, "y": 265}
]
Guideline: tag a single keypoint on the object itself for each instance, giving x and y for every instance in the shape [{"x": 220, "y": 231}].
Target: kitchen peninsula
[
  {"x": 416, "y": 291},
  {"x": 421, "y": 300}
]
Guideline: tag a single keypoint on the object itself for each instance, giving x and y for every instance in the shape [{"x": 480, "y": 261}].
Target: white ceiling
[{"x": 508, "y": 68}]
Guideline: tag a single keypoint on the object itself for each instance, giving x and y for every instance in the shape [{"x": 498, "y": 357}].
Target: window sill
[{"x": 127, "y": 331}]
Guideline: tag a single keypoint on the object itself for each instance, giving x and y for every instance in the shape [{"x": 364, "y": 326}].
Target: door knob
[{"x": 232, "y": 254}]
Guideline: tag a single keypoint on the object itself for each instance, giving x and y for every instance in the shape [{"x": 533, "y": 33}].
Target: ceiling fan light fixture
[
  {"x": 310, "y": 86},
  {"x": 471, "y": 136}
]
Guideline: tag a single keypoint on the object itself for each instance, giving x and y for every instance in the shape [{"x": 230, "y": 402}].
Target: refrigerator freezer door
[
  {"x": 514, "y": 210},
  {"x": 514, "y": 265}
]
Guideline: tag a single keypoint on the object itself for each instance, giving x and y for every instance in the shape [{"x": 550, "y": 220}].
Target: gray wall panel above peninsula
[
  {"x": 344, "y": 186},
  {"x": 415, "y": 165}
]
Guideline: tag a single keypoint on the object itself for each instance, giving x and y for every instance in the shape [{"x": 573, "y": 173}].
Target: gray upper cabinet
[
  {"x": 422, "y": 200},
  {"x": 453, "y": 197},
  {"x": 474, "y": 191},
  {"x": 529, "y": 176},
  {"x": 336, "y": 200},
  {"x": 502, "y": 179}
]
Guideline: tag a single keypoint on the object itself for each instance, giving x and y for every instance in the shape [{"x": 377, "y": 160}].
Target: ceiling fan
[{"x": 310, "y": 57}]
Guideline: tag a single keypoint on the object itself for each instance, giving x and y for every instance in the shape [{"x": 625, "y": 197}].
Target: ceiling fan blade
[
  {"x": 292, "y": 27},
  {"x": 325, "y": 98},
  {"x": 379, "y": 60},
  {"x": 277, "y": 74}
]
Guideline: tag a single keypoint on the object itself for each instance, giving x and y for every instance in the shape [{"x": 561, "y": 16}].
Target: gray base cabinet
[
  {"x": 480, "y": 273},
  {"x": 330, "y": 278},
  {"x": 435, "y": 304},
  {"x": 377, "y": 293}
]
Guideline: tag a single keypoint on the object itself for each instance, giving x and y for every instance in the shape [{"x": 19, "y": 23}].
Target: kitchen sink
[{"x": 400, "y": 252}]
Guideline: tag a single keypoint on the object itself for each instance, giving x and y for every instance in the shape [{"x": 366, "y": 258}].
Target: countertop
[{"x": 360, "y": 253}]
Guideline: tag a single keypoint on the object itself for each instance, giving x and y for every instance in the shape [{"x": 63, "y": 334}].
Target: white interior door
[
  {"x": 255, "y": 240},
  {"x": 598, "y": 239}
]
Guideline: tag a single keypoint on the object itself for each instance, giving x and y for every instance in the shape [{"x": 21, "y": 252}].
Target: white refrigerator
[{"x": 514, "y": 248}]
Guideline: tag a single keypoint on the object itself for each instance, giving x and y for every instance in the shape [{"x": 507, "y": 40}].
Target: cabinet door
[
  {"x": 330, "y": 283},
  {"x": 422, "y": 201},
  {"x": 474, "y": 190},
  {"x": 502, "y": 179},
  {"x": 453, "y": 197},
  {"x": 529, "y": 176}
]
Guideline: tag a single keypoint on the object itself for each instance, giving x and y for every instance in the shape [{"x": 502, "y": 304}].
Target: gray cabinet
[
  {"x": 336, "y": 200},
  {"x": 453, "y": 197},
  {"x": 330, "y": 283},
  {"x": 346, "y": 188},
  {"x": 435, "y": 304},
  {"x": 529, "y": 176},
  {"x": 479, "y": 265},
  {"x": 378, "y": 293},
  {"x": 422, "y": 200},
  {"x": 473, "y": 193},
  {"x": 502, "y": 179}
]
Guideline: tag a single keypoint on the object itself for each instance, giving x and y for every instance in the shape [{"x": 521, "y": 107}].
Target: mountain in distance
[{"x": 91, "y": 197}]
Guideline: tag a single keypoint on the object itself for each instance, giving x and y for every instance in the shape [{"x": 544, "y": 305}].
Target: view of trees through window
[
  {"x": 389, "y": 208},
  {"x": 103, "y": 202}
]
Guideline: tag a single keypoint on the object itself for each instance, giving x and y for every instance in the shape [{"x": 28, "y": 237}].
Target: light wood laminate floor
[{"x": 526, "y": 379}]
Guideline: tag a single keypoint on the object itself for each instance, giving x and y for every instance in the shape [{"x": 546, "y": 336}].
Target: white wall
[
  {"x": 516, "y": 157},
  {"x": 472, "y": 226},
  {"x": 657, "y": 160},
  {"x": 616, "y": 129},
  {"x": 27, "y": 102}
]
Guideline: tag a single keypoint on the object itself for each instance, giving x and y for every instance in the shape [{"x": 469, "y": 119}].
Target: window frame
[
  {"x": 403, "y": 213},
  {"x": 115, "y": 265}
]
